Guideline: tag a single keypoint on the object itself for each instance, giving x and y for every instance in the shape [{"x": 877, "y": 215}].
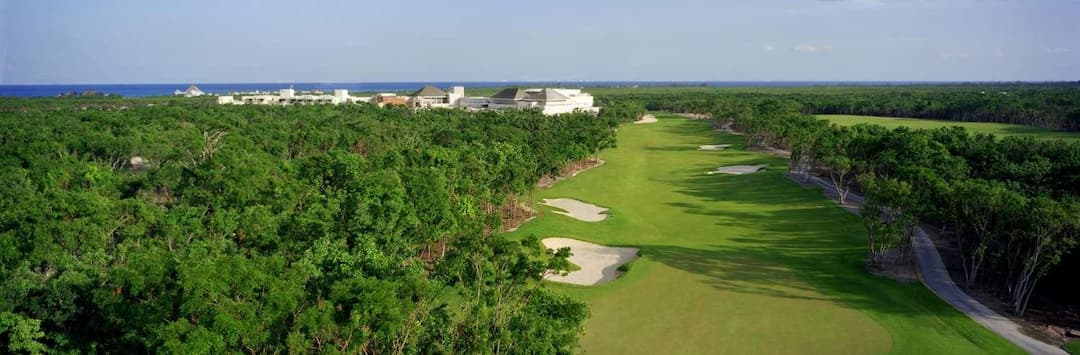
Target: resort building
[
  {"x": 547, "y": 101},
  {"x": 429, "y": 97},
  {"x": 291, "y": 97},
  {"x": 191, "y": 91},
  {"x": 392, "y": 99}
]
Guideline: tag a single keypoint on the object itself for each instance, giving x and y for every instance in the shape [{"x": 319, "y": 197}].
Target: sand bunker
[
  {"x": 713, "y": 147},
  {"x": 646, "y": 119},
  {"x": 598, "y": 263},
  {"x": 739, "y": 169},
  {"x": 576, "y": 209}
]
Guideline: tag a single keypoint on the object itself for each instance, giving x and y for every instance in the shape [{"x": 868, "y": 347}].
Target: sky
[{"x": 195, "y": 41}]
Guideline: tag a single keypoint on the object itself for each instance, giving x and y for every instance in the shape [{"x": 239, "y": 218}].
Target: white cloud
[
  {"x": 807, "y": 48},
  {"x": 768, "y": 48},
  {"x": 1058, "y": 50}
]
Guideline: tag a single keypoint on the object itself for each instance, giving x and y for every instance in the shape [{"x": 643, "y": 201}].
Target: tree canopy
[{"x": 190, "y": 228}]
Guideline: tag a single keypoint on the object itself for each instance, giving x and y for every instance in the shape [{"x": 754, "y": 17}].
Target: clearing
[
  {"x": 751, "y": 265},
  {"x": 999, "y": 129},
  {"x": 646, "y": 119}
]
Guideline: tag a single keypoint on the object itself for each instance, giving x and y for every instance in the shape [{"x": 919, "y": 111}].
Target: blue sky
[{"x": 138, "y": 41}]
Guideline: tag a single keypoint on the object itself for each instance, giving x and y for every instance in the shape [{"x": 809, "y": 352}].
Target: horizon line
[{"x": 559, "y": 81}]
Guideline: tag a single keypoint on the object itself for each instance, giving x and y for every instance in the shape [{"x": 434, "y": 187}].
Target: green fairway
[
  {"x": 999, "y": 129},
  {"x": 1072, "y": 347},
  {"x": 750, "y": 264}
]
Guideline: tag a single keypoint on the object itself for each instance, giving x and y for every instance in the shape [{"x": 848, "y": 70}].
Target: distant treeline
[
  {"x": 99, "y": 102},
  {"x": 1055, "y": 106},
  {"x": 192, "y": 228}
]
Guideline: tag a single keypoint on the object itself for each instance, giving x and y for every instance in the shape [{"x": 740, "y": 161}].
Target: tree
[
  {"x": 984, "y": 213},
  {"x": 835, "y": 154},
  {"x": 281, "y": 235},
  {"x": 23, "y": 334},
  {"x": 510, "y": 316},
  {"x": 886, "y": 215},
  {"x": 1050, "y": 234}
]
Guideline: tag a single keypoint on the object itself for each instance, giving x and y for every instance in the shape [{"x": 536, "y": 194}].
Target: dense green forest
[
  {"x": 177, "y": 225},
  {"x": 1010, "y": 205},
  {"x": 1055, "y": 106},
  {"x": 185, "y": 227}
]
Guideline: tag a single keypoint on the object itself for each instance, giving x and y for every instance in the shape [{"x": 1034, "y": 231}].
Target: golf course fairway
[
  {"x": 747, "y": 264},
  {"x": 998, "y": 129}
]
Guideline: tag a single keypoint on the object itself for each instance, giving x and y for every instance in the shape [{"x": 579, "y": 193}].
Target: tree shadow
[
  {"x": 690, "y": 128},
  {"x": 763, "y": 188},
  {"x": 789, "y": 270},
  {"x": 674, "y": 148},
  {"x": 1038, "y": 133},
  {"x": 796, "y": 245}
]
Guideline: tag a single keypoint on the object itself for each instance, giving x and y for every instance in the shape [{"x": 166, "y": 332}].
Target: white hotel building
[{"x": 548, "y": 101}]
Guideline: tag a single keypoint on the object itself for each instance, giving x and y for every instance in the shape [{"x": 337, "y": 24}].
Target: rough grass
[
  {"x": 738, "y": 264},
  {"x": 999, "y": 129},
  {"x": 1072, "y": 347}
]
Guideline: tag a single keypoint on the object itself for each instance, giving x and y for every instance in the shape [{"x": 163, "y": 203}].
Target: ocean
[{"x": 143, "y": 90}]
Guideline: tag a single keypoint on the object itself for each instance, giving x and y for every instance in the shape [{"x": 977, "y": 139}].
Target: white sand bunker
[
  {"x": 646, "y": 119},
  {"x": 713, "y": 147},
  {"x": 739, "y": 169},
  {"x": 598, "y": 263},
  {"x": 576, "y": 209}
]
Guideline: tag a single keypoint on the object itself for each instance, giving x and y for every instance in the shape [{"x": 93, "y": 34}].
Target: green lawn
[
  {"x": 746, "y": 264},
  {"x": 1000, "y": 129},
  {"x": 1073, "y": 347}
]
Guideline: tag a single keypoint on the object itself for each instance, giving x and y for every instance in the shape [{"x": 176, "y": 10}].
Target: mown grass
[
  {"x": 738, "y": 264},
  {"x": 1072, "y": 347},
  {"x": 999, "y": 129}
]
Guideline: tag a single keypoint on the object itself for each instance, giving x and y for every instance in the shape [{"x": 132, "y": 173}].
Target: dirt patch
[
  {"x": 646, "y": 119},
  {"x": 739, "y": 169},
  {"x": 772, "y": 151},
  {"x": 568, "y": 171},
  {"x": 902, "y": 273},
  {"x": 578, "y": 210},
  {"x": 514, "y": 215},
  {"x": 599, "y": 264},
  {"x": 694, "y": 116},
  {"x": 900, "y": 268}
]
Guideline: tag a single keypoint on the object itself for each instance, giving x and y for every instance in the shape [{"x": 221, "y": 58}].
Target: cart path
[{"x": 935, "y": 276}]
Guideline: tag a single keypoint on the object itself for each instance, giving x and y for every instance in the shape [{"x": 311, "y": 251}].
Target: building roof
[
  {"x": 547, "y": 95},
  {"x": 429, "y": 91},
  {"x": 510, "y": 94},
  {"x": 193, "y": 88}
]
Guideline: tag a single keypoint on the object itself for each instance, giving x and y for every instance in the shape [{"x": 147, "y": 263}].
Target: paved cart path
[{"x": 935, "y": 276}]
